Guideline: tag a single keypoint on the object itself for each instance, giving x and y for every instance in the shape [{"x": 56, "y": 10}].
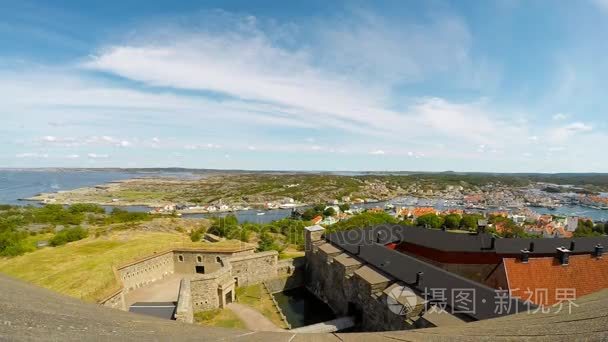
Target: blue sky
[{"x": 502, "y": 86}]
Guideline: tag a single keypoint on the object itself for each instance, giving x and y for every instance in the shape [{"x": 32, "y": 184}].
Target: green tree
[
  {"x": 330, "y": 211},
  {"x": 452, "y": 221},
  {"x": 430, "y": 220},
  {"x": 344, "y": 207},
  {"x": 469, "y": 221},
  {"x": 585, "y": 228},
  {"x": 309, "y": 214},
  {"x": 319, "y": 207},
  {"x": 363, "y": 220}
]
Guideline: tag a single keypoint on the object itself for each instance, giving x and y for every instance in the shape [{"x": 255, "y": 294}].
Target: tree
[
  {"x": 330, "y": 211},
  {"x": 363, "y": 220},
  {"x": 430, "y": 220},
  {"x": 452, "y": 221},
  {"x": 469, "y": 221},
  {"x": 599, "y": 228},
  {"x": 319, "y": 207},
  {"x": 585, "y": 228},
  {"x": 344, "y": 207},
  {"x": 309, "y": 214}
]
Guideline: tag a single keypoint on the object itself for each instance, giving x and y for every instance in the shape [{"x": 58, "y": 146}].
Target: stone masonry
[{"x": 352, "y": 288}]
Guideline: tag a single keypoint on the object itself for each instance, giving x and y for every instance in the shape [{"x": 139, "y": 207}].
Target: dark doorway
[
  {"x": 355, "y": 311},
  {"x": 228, "y": 297},
  {"x": 200, "y": 269}
]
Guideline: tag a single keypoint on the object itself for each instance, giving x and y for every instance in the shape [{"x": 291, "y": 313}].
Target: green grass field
[
  {"x": 83, "y": 269},
  {"x": 223, "y": 318},
  {"x": 256, "y": 297}
]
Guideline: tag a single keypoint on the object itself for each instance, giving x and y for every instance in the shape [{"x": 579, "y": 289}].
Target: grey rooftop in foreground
[{"x": 30, "y": 313}]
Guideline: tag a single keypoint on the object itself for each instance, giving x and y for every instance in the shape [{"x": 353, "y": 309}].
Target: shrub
[{"x": 68, "y": 235}]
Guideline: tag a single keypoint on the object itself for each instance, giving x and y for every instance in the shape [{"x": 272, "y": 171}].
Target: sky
[{"x": 489, "y": 86}]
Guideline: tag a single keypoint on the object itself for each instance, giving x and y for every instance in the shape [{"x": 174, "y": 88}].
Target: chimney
[
  {"x": 563, "y": 254},
  {"x": 599, "y": 250},
  {"x": 525, "y": 256},
  {"x": 419, "y": 279},
  {"x": 572, "y": 245},
  {"x": 531, "y": 249}
]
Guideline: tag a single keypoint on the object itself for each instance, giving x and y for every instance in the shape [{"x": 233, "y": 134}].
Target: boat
[{"x": 260, "y": 214}]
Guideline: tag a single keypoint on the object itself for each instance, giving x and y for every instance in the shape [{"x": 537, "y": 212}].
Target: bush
[
  {"x": 86, "y": 208},
  {"x": 12, "y": 243},
  {"x": 68, "y": 235},
  {"x": 122, "y": 216},
  {"x": 197, "y": 234}
]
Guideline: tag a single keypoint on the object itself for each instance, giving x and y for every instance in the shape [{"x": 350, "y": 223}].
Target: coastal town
[{"x": 525, "y": 208}]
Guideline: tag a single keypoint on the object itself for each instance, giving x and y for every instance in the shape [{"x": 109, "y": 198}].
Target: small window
[
  {"x": 180, "y": 258},
  {"x": 199, "y": 258}
]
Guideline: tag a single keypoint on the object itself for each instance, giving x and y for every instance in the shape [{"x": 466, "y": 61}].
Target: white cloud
[
  {"x": 567, "y": 131},
  {"x": 97, "y": 156},
  {"x": 559, "y": 117},
  {"x": 32, "y": 155},
  {"x": 209, "y": 146},
  {"x": 72, "y": 156},
  {"x": 377, "y": 152}
]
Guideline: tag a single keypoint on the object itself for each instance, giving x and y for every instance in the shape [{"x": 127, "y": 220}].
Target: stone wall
[
  {"x": 352, "y": 288},
  {"x": 184, "y": 312},
  {"x": 186, "y": 260},
  {"x": 208, "y": 291},
  {"x": 116, "y": 301},
  {"x": 211, "y": 285},
  {"x": 145, "y": 271},
  {"x": 287, "y": 267},
  {"x": 255, "y": 268}
]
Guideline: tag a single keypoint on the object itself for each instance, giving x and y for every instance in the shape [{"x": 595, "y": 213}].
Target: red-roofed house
[
  {"x": 545, "y": 277},
  {"x": 316, "y": 220},
  {"x": 417, "y": 212}
]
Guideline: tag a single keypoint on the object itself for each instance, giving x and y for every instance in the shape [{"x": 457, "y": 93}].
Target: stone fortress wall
[
  {"x": 210, "y": 277},
  {"x": 353, "y": 288},
  {"x": 152, "y": 268},
  {"x": 146, "y": 270}
]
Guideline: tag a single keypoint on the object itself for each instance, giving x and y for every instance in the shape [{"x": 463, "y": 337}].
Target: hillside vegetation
[{"x": 83, "y": 268}]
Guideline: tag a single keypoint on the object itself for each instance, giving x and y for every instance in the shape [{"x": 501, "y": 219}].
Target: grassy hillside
[{"x": 83, "y": 269}]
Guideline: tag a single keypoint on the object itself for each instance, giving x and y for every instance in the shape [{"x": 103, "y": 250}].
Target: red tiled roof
[
  {"x": 417, "y": 212},
  {"x": 316, "y": 219},
  {"x": 584, "y": 273}
]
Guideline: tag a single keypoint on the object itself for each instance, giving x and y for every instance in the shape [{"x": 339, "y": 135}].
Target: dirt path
[{"x": 253, "y": 320}]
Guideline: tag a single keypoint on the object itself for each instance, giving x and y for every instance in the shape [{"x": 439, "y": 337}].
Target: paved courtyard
[{"x": 164, "y": 290}]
